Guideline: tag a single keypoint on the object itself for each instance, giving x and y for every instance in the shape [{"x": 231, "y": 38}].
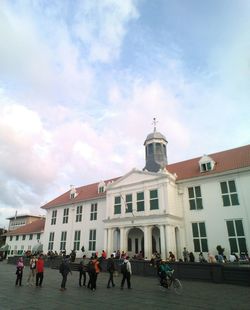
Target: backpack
[
  {"x": 33, "y": 264},
  {"x": 81, "y": 266},
  {"x": 62, "y": 267},
  {"x": 91, "y": 267},
  {"x": 124, "y": 268}
]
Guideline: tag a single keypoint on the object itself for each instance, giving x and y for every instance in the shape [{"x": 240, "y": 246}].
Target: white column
[
  {"x": 106, "y": 239},
  {"x": 163, "y": 242},
  {"x": 170, "y": 240},
  {"x": 122, "y": 239},
  {"x": 148, "y": 242},
  {"x": 110, "y": 241},
  {"x": 168, "y": 232}
]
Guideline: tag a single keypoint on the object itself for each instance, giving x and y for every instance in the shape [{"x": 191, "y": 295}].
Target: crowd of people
[
  {"x": 93, "y": 266},
  {"x": 36, "y": 269},
  {"x": 88, "y": 266}
]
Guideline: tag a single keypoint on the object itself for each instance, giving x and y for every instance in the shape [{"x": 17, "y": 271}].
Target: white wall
[
  {"x": 21, "y": 244},
  {"x": 84, "y": 226},
  {"x": 214, "y": 214}
]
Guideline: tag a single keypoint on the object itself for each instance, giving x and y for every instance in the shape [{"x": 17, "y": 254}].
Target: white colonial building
[
  {"x": 26, "y": 238},
  {"x": 197, "y": 204}
]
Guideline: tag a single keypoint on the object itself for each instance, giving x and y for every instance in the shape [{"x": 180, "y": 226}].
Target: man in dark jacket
[
  {"x": 111, "y": 269},
  {"x": 64, "y": 269}
]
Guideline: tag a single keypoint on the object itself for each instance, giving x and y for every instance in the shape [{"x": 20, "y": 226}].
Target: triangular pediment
[{"x": 136, "y": 176}]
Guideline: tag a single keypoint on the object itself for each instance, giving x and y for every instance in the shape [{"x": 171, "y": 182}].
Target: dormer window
[
  {"x": 206, "y": 164},
  {"x": 101, "y": 187},
  {"x": 72, "y": 192}
]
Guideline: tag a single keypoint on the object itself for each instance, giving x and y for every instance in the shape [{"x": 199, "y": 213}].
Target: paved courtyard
[{"x": 145, "y": 294}]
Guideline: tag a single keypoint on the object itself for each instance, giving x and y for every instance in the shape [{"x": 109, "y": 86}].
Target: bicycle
[{"x": 170, "y": 281}]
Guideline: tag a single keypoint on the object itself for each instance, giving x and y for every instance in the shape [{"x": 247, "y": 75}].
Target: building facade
[
  {"x": 21, "y": 220},
  {"x": 197, "y": 204},
  {"x": 27, "y": 238}
]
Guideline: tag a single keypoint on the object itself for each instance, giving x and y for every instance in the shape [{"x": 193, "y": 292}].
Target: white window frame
[
  {"x": 93, "y": 211},
  {"x": 79, "y": 213},
  {"x": 77, "y": 240},
  {"x": 63, "y": 240},
  {"x": 92, "y": 240}
]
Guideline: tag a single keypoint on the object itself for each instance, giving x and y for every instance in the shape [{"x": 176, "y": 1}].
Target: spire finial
[{"x": 154, "y": 123}]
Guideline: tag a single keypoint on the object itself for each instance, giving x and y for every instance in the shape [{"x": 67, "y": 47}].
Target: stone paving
[{"x": 145, "y": 294}]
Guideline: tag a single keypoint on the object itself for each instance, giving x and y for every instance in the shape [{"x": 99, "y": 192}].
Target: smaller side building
[
  {"x": 17, "y": 221},
  {"x": 28, "y": 238}
]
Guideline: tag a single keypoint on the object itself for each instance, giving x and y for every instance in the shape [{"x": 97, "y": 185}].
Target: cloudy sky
[{"x": 80, "y": 82}]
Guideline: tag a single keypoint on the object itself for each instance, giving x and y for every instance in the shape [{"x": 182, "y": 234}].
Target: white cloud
[
  {"x": 68, "y": 116},
  {"x": 101, "y": 26}
]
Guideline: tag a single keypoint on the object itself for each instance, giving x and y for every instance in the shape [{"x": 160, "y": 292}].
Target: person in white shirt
[{"x": 126, "y": 272}]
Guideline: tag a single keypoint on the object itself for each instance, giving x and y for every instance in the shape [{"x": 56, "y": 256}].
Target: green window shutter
[
  {"x": 239, "y": 228},
  {"x": 140, "y": 205},
  {"x": 224, "y": 188},
  {"x": 153, "y": 194},
  {"x": 117, "y": 199},
  {"x": 234, "y": 198},
  {"x": 242, "y": 244},
  {"x": 209, "y": 166},
  {"x": 140, "y": 196},
  {"x": 232, "y": 186},
  {"x": 202, "y": 230},
  {"x": 197, "y": 247},
  {"x": 195, "y": 230},
  {"x": 192, "y": 204},
  {"x": 204, "y": 245},
  {"x": 154, "y": 204},
  {"x": 199, "y": 203},
  {"x": 118, "y": 209},
  {"x": 129, "y": 206},
  {"x": 191, "y": 192},
  {"x": 230, "y": 228},
  {"x": 198, "y": 191},
  {"x": 226, "y": 200},
  {"x": 233, "y": 245},
  {"x": 129, "y": 198}
]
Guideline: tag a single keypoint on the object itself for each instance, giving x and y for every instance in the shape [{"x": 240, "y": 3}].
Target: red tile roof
[
  {"x": 224, "y": 161},
  {"x": 34, "y": 227},
  {"x": 86, "y": 192}
]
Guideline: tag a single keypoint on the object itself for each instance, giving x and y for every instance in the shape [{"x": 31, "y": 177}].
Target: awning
[
  {"x": 4, "y": 248},
  {"x": 37, "y": 248}
]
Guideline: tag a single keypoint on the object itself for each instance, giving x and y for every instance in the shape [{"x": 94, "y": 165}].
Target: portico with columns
[{"x": 148, "y": 238}]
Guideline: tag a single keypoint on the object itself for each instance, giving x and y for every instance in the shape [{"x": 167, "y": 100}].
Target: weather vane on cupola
[{"x": 154, "y": 123}]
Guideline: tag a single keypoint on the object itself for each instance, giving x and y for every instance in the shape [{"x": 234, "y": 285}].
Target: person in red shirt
[
  {"x": 39, "y": 271},
  {"x": 104, "y": 255}
]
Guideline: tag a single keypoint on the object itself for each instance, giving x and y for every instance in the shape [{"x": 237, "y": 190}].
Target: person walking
[
  {"x": 19, "y": 271},
  {"x": 32, "y": 271},
  {"x": 64, "y": 269},
  {"x": 95, "y": 272},
  {"x": 39, "y": 271},
  {"x": 126, "y": 272},
  {"x": 111, "y": 269},
  {"x": 82, "y": 271}
]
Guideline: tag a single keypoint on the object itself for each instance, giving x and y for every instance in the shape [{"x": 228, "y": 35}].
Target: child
[{"x": 19, "y": 271}]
